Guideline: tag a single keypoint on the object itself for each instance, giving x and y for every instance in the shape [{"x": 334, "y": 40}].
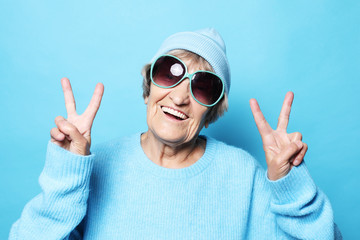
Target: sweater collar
[{"x": 180, "y": 173}]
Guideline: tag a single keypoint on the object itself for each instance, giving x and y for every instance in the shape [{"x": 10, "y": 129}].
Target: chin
[{"x": 172, "y": 136}]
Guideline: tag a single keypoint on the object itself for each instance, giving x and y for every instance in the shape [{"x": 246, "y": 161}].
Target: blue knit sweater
[{"x": 118, "y": 193}]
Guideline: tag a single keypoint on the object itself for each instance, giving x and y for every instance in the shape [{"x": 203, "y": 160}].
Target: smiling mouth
[{"x": 174, "y": 113}]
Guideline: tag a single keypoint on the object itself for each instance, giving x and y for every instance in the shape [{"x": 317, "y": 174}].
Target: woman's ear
[{"x": 146, "y": 99}]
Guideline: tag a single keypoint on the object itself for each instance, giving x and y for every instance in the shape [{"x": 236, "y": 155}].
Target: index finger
[
  {"x": 69, "y": 96},
  {"x": 261, "y": 123},
  {"x": 285, "y": 111},
  {"x": 95, "y": 101}
]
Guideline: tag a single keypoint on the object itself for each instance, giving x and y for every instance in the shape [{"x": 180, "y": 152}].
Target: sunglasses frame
[{"x": 189, "y": 76}]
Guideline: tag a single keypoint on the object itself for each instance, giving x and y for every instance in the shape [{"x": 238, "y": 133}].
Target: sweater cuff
[
  {"x": 62, "y": 164},
  {"x": 294, "y": 186}
]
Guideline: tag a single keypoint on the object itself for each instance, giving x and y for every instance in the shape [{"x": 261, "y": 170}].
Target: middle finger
[{"x": 285, "y": 111}]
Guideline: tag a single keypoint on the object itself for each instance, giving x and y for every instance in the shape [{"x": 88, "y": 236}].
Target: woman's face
[{"x": 173, "y": 115}]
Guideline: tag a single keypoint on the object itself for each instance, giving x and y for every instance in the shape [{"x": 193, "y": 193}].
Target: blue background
[{"x": 309, "y": 47}]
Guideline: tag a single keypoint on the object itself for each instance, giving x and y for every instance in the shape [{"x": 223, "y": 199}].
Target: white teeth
[{"x": 174, "y": 112}]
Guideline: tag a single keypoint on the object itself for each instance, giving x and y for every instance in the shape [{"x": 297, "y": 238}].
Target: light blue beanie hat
[{"x": 207, "y": 43}]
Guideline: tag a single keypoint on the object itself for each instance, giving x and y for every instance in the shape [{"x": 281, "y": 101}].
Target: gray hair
[{"x": 216, "y": 111}]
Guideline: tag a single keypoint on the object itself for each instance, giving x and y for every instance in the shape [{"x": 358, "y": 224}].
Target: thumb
[
  {"x": 280, "y": 165},
  {"x": 78, "y": 143},
  {"x": 287, "y": 153}
]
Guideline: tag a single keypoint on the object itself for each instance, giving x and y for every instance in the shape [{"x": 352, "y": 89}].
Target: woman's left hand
[{"x": 282, "y": 150}]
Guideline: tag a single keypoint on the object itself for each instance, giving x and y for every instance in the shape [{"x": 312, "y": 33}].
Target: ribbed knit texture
[{"x": 224, "y": 195}]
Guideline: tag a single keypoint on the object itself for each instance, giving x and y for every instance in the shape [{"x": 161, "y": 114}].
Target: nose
[{"x": 180, "y": 94}]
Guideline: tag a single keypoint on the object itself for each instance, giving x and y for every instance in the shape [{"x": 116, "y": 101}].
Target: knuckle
[
  {"x": 84, "y": 142},
  {"x": 293, "y": 147},
  {"x": 277, "y": 160},
  {"x": 81, "y": 143},
  {"x": 306, "y": 147},
  {"x": 71, "y": 129},
  {"x": 65, "y": 126},
  {"x": 298, "y": 135},
  {"x": 53, "y": 131},
  {"x": 80, "y": 140},
  {"x": 62, "y": 125},
  {"x": 59, "y": 118}
]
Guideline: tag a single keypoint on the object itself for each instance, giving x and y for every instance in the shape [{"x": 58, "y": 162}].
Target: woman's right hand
[{"x": 74, "y": 133}]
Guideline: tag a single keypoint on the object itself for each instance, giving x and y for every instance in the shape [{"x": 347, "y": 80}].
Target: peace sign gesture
[
  {"x": 74, "y": 133},
  {"x": 282, "y": 150}
]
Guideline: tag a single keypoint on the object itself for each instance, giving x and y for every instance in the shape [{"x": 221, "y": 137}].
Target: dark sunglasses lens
[
  {"x": 167, "y": 71},
  {"x": 206, "y": 87}
]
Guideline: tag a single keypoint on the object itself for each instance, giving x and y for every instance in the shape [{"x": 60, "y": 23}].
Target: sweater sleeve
[
  {"x": 302, "y": 211},
  {"x": 62, "y": 204}
]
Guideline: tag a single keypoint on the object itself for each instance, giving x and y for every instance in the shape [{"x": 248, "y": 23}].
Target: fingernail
[
  {"x": 299, "y": 144},
  {"x": 296, "y": 162}
]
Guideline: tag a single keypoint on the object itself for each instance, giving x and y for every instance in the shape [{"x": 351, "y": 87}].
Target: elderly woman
[{"x": 170, "y": 182}]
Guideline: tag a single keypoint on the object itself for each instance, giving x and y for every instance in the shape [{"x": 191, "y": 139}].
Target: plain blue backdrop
[{"x": 309, "y": 47}]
